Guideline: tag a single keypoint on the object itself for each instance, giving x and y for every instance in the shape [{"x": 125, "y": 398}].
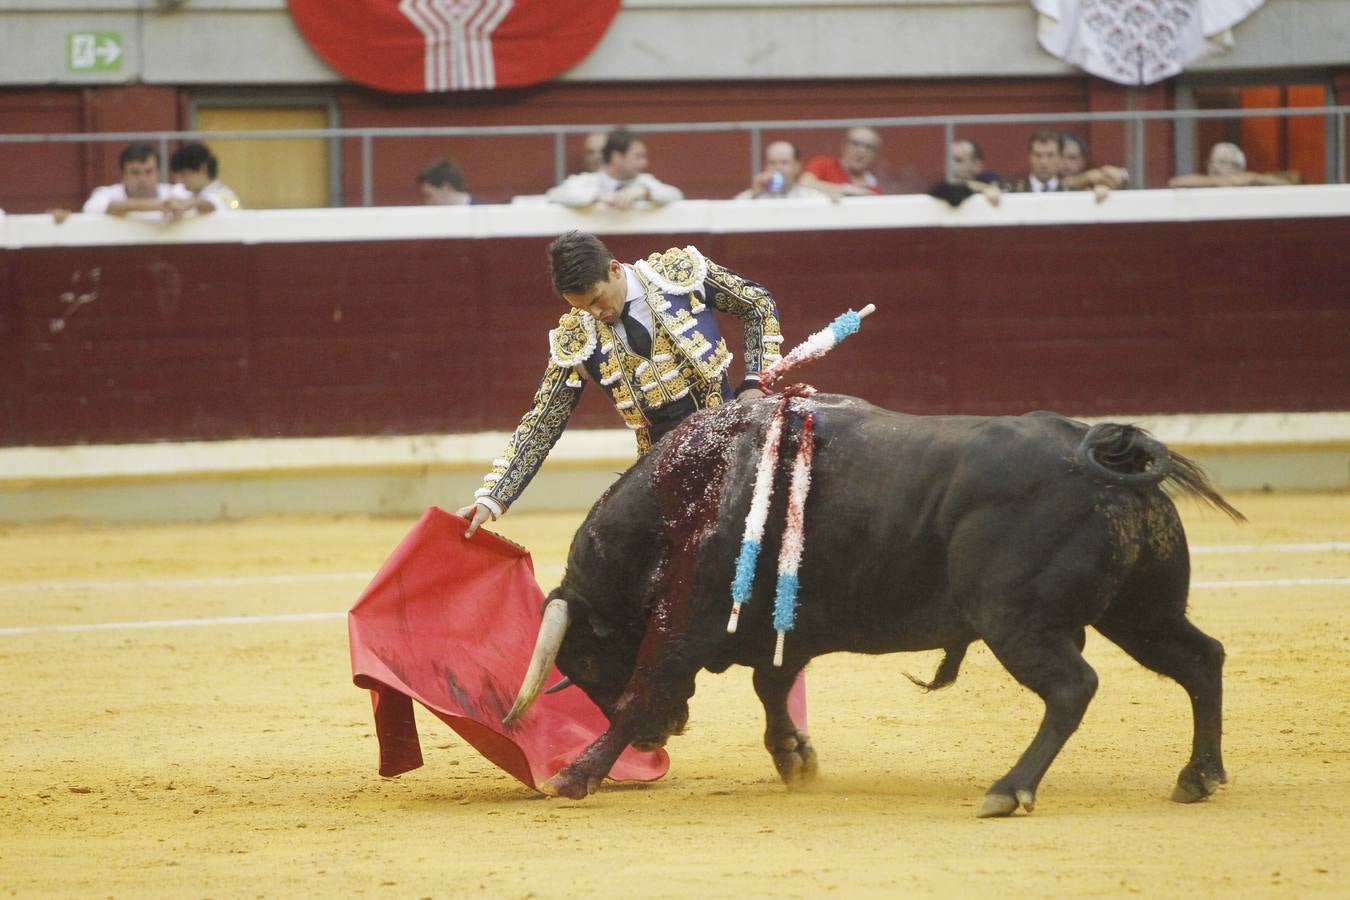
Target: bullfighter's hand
[
  {"x": 477, "y": 514},
  {"x": 750, "y": 394}
]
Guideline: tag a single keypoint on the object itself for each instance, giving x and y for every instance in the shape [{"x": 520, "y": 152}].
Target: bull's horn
[
  {"x": 562, "y": 684},
  {"x": 551, "y": 631}
]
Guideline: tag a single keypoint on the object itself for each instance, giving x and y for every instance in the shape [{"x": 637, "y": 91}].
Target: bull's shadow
[{"x": 920, "y": 533}]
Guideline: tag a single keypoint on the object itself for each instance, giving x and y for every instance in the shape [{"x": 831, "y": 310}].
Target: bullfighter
[{"x": 647, "y": 335}]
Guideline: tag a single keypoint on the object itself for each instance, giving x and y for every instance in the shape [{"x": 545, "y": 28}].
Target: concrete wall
[{"x": 255, "y": 42}]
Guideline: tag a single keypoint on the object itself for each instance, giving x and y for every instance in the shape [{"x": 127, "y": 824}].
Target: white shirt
[
  {"x": 636, "y": 305},
  {"x": 219, "y": 196},
  {"x": 1041, "y": 187},
  {"x": 105, "y": 196},
  {"x": 798, "y": 191},
  {"x": 585, "y": 188}
]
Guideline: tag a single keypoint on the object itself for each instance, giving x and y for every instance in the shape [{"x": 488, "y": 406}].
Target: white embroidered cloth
[{"x": 1138, "y": 41}]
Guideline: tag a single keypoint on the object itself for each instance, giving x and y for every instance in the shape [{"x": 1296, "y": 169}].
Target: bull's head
[{"x": 592, "y": 653}]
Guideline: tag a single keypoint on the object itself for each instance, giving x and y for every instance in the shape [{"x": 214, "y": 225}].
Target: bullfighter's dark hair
[
  {"x": 618, "y": 141},
  {"x": 136, "y": 152},
  {"x": 1046, "y": 136},
  {"x": 578, "y": 261},
  {"x": 191, "y": 157},
  {"x": 441, "y": 172}
]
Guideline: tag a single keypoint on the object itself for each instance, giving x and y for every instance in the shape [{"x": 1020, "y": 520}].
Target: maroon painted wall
[{"x": 388, "y": 337}]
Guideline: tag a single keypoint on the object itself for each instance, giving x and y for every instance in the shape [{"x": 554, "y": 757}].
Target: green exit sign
[{"x": 94, "y": 51}]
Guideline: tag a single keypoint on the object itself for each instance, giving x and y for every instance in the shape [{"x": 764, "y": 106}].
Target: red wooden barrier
[{"x": 207, "y": 341}]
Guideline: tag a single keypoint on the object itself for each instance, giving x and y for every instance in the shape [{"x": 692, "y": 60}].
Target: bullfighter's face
[{"x": 603, "y": 300}]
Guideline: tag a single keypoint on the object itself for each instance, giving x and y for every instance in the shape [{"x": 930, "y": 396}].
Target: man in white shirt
[
  {"x": 140, "y": 189},
  {"x": 621, "y": 181}
]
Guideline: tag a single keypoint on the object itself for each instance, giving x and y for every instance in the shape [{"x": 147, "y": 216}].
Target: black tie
[{"x": 638, "y": 337}]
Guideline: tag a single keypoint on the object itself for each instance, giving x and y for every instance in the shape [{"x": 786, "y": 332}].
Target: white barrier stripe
[
  {"x": 1330, "y": 547},
  {"x": 177, "y": 583},
  {"x": 174, "y": 623},
  {"x": 1271, "y": 582}
]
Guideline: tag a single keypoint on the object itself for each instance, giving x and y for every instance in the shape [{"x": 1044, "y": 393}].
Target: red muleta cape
[{"x": 451, "y": 623}]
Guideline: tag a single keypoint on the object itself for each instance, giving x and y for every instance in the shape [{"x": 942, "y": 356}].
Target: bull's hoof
[
  {"x": 648, "y": 746},
  {"x": 569, "y": 784},
  {"x": 998, "y": 805},
  {"x": 795, "y": 759},
  {"x": 1194, "y": 784}
]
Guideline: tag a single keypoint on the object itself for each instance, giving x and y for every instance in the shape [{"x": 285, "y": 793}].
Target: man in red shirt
[{"x": 850, "y": 174}]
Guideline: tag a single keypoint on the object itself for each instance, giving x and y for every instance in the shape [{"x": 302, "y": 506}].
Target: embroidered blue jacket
[{"x": 689, "y": 360}]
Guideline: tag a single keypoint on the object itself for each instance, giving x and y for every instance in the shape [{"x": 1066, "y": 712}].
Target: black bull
[{"x": 921, "y": 533}]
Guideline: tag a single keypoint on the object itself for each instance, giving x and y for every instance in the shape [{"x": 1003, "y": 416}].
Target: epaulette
[
  {"x": 676, "y": 271},
  {"x": 573, "y": 341}
]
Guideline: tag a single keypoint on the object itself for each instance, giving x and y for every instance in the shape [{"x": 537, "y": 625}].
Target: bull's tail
[
  {"x": 947, "y": 669},
  {"x": 1129, "y": 455}
]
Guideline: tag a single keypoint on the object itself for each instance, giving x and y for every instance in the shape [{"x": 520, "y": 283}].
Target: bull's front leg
[
  {"x": 586, "y": 772},
  {"x": 793, "y": 755},
  {"x": 653, "y": 706}
]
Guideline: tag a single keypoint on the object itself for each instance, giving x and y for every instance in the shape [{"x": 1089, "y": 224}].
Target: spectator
[
  {"x": 442, "y": 183},
  {"x": 593, "y": 151},
  {"x": 196, "y": 168},
  {"x": 849, "y": 174},
  {"x": 780, "y": 177},
  {"x": 968, "y": 163},
  {"x": 1044, "y": 158},
  {"x": 1228, "y": 168},
  {"x": 1075, "y": 175},
  {"x": 968, "y": 176},
  {"x": 139, "y": 191},
  {"x": 621, "y": 181}
]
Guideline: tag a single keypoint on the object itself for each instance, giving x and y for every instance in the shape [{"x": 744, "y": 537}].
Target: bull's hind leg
[
  {"x": 793, "y": 755},
  {"x": 1194, "y": 660},
  {"x": 1052, "y": 665}
]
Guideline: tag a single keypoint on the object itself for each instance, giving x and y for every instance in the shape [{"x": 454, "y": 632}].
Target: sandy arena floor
[{"x": 237, "y": 759}]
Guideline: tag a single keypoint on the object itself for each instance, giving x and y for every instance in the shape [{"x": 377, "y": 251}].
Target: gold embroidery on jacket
[{"x": 534, "y": 437}]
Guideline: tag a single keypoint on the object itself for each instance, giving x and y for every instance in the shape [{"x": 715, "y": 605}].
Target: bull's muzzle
[{"x": 551, "y": 632}]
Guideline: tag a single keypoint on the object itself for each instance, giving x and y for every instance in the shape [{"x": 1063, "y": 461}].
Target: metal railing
[{"x": 1135, "y": 120}]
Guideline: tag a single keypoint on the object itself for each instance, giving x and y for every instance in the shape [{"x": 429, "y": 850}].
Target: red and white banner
[{"x": 452, "y": 45}]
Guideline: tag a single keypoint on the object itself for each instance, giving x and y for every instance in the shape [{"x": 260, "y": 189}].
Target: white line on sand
[
  {"x": 152, "y": 584},
  {"x": 176, "y": 623}
]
